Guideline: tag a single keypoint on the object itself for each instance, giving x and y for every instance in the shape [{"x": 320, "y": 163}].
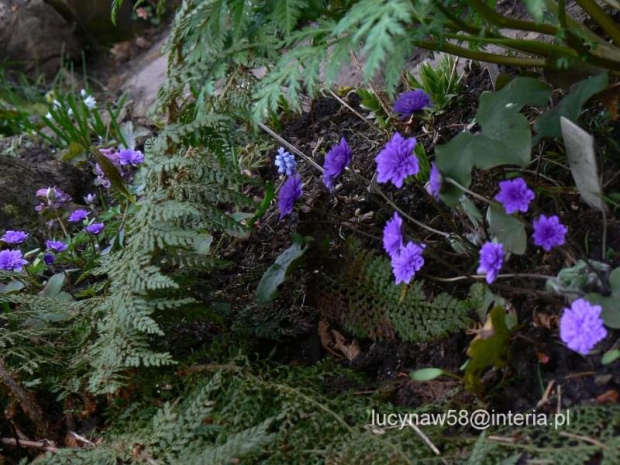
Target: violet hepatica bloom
[
  {"x": 491, "y": 260},
  {"x": 56, "y": 246},
  {"x": 581, "y": 326},
  {"x": 336, "y": 160},
  {"x": 408, "y": 103},
  {"x": 78, "y": 215},
  {"x": 393, "y": 235},
  {"x": 408, "y": 262},
  {"x": 48, "y": 259},
  {"x": 286, "y": 162},
  {"x": 95, "y": 228},
  {"x": 12, "y": 260},
  {"x": 397, "y": 161},
  {"x": 514, "y": 195},
  {"x": 290, "y": 191},
  {"x": 90, "y": 199},
  {"x": 130, "y": 157},
  {"x": 549, "y": 232},
  {"x": 434, "y": 183},
  {"x": 14, "y": 237}
]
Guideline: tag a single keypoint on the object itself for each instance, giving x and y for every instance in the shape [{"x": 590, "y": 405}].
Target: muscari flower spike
[
  {"x": 396, "y": 161},
  {"x": 14, "y": 237},
  {"x": 393, "y": 235},
  {"x": 408, "y": 103},
  {"x": 290, "y": 191},
  {"x": 515, "y": 195},
  {"x": 56, "y": 246},
  {"x": 78, "y": 215},
  {"x": 408, "y": 262},
  {"x": 549, "y": 232},
  {"x": 12, "y": 260},
  {"x": 491, "y": 260},
  {"x": 285, "y": 162},
  {"x": 581, "y": 326},
  {"x": 336, "y": 160}
]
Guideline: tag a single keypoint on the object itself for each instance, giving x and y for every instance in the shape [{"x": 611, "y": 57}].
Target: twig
[
  {"x": 354, "y": 111},
  {"x": 482, "y": 276},
  {"x": 290, "y": 146},
  {"x": 39, "y": 445}
]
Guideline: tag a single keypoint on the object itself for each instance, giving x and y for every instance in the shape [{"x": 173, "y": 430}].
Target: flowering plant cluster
[{"x": 124, "y": 160}]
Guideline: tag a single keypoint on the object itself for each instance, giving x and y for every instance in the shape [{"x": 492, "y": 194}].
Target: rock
[
  {"x": 150, "y": 74},
  {"x": 19, "y": 181},
  {"x": 33, "y": 33}
]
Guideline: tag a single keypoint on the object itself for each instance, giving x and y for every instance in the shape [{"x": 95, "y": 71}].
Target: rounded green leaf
[{"x": 426, "y": 374}]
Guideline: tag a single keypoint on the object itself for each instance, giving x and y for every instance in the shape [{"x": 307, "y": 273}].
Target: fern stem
[
  {"x": 602, "y": 19},
  {"x": 496, "y": 19},
  {"x": 480, "y": 56},
  {"x": 483, "y": 276}
]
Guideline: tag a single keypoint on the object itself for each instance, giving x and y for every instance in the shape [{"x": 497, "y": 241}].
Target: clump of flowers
[
  {"x": 515, "y": 195},
  {"x": 78, "y": 215},
  {"x": 290, "y": 192},
  {"x": 12, "y": 260},
  {"x": 549, "y": 232},
  {"x": 581, "y": 326},
  {"x": 435, "y": 181},
  {"x": 397, "y": 161},
  {"x": 123, "y": 160},
  {"x": 54, "y": 198},
  {"x": 286, "y": 162},
  {"x": 408, "y": 262},
  {"x": 14, "y": 237},
  {"x": 393, "y": 235},
  {"x": 491, "y": 260},
  {"x": 408, "y": 103},
  {"x": 95, "y": 228},
  {"x": 336, "y": 160}
]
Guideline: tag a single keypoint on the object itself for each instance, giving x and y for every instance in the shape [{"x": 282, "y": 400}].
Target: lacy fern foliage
[{"x": 362, "y": 296}]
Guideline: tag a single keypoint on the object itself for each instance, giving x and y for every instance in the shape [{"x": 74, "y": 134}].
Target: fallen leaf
[
  {"x": 350, "y": 351},
  {"x": 609, "y": 397}
]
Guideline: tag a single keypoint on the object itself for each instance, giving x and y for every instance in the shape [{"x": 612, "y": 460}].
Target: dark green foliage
[{"x": 363, "y": 297}]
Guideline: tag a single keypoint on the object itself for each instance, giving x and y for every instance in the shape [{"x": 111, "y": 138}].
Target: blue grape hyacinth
[{"x": 286, "y": 162}]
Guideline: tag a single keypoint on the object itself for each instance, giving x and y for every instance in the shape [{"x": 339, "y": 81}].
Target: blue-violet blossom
[
  {"x": 336, "y": 160},
  {"x": 130, "y": 157},
  {"x": 95, "y": 228},
  {"x": 290, "y": 191},
  {"x": 56, "y": 246},
  {"x": 581, "y": 326},
  {"x": 393, "y": 235},
  {"x": 14, "y": 237},
  {"x": 397, "y": 161},
  {"x": 48, "y": 259},
  {"x": 549, "y": 232},
  {"x": 434, "y": 183},
  {"x": 514, "y": 195},
  {"x": 408, "y": 262},
  {"x": 78, "y": 215},
  {"x": 286, "y": 162},
  {"x": 12, "y": 260},
  {"x": 408, "y": 103},
  {"x": 491, "y": 260}
]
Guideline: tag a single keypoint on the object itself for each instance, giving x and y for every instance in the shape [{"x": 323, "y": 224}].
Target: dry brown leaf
[
  {"x": 325, "y": 335},
  {"x": 350, "y": 351},
  {"x": 609, "y": 397},
  {"x": 545, "y": 320}
]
